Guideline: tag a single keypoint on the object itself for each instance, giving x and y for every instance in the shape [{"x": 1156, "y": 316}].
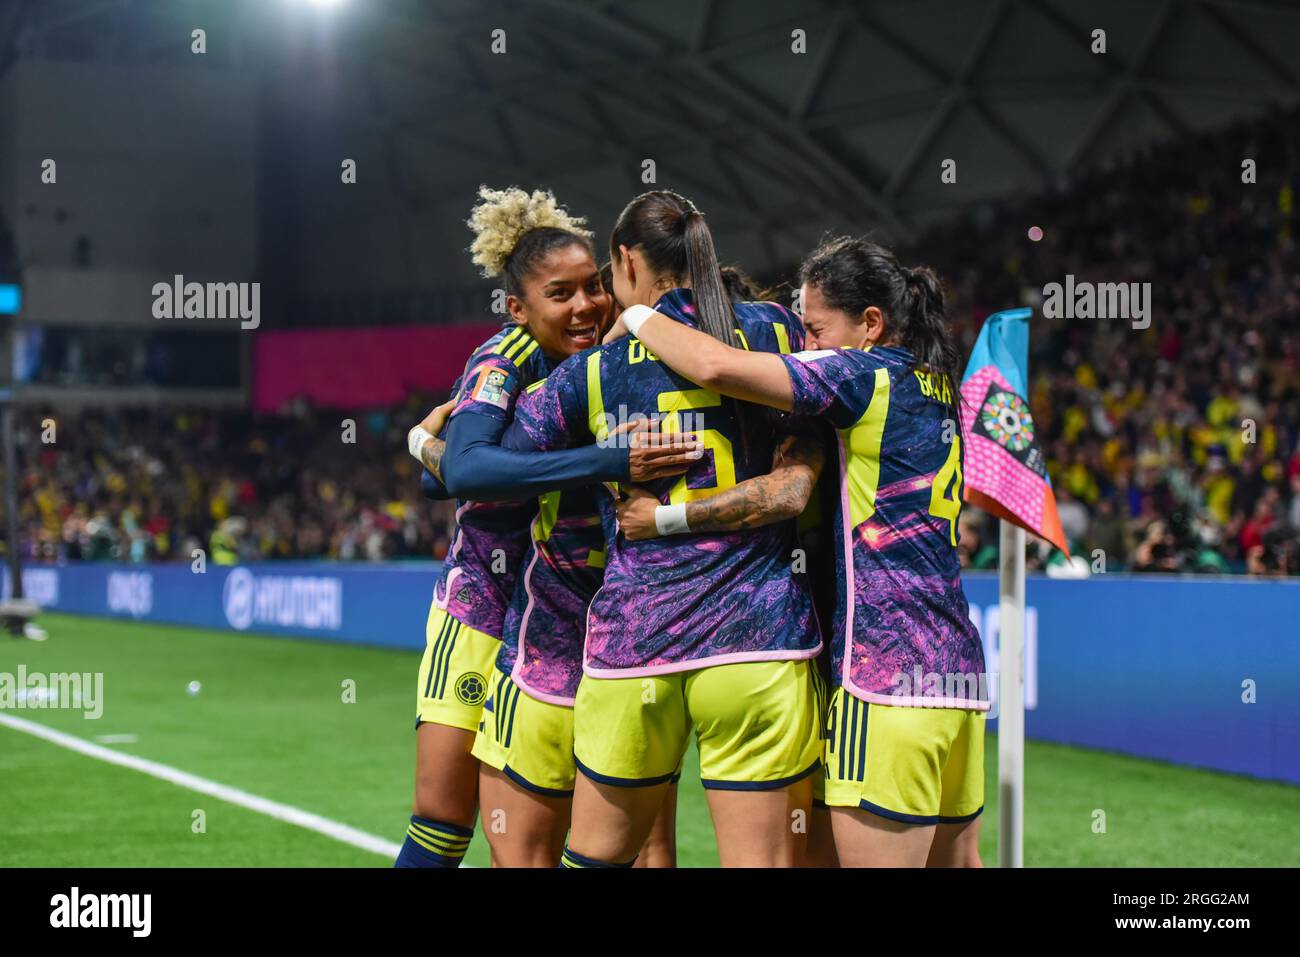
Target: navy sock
[
  {"x": 433, "y": 844},
  {"x": 573, "y": 859}
]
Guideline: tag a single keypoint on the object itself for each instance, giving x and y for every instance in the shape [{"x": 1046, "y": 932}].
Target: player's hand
[
  {"x": 636, "y": 514},
  {"x": 436, "y": 419},
  {"x": 616, "y": 331},
  {"x": 655, "y": 455}
]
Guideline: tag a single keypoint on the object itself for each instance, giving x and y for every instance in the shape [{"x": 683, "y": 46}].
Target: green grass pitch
[{"x": 270, "y": 719}]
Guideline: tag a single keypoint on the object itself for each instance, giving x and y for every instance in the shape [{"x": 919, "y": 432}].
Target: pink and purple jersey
[
  {"x": 492, "y": 538},
  {"x": 688, "y": 601},
  {"x": 903, "y": 634},
  {"x": 546, "y": 623}
]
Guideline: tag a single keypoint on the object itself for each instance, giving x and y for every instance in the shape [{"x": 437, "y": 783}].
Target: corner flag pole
[
  {"x": 1006, "y": 475},
  {"x": 1011, "y": 696}
]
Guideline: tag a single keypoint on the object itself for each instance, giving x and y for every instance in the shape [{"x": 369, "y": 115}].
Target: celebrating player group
[{"x": 686, "y": 510}]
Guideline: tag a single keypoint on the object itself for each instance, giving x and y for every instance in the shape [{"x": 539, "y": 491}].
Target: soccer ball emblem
[
  {"x": 471, "y": 688},
  {"x": 1007, "y": 421}
]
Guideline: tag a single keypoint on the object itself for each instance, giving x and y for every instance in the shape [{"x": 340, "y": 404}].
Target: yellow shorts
[
  {"x": 756, "y": 724},
  {"x": 913, "y": 765},
  {"x": 453, "y": 675},
  {"x": 530, "y": 741}
]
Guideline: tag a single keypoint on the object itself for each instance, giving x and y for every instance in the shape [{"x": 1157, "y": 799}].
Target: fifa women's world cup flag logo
[
  {"x": 1004, "y": 418},
  {"x": 1004, "y": 468}
]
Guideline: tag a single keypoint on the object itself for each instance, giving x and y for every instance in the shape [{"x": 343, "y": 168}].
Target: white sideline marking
[{"x": 281, "y": 812}]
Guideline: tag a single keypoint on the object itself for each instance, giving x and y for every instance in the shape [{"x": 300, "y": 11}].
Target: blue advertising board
[{"x": 1196, "y": 671}]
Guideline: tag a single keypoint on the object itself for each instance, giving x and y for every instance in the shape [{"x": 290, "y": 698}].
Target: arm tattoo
[
  {"x": 763, "y": 500},
  {"x": 431, "y": 456}
]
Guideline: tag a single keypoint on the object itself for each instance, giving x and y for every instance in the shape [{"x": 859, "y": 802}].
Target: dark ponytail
[
  {"x": 712, "y": 303},
  {"x": 675, "y": 240},
  {"x": 925, "y": 332},
  {"x": 852, "y": 274}
]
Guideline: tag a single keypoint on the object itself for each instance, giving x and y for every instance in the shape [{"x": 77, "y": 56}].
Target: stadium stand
[
  {"x": 154, "y": 485},
  {"x": 1175, "y": 448}
]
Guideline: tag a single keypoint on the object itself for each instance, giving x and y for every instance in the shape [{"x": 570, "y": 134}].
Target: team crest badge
[{"x": 471, "y": 688}]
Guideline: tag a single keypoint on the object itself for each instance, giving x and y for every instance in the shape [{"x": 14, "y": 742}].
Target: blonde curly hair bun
[{"x": 502, "y": 216}]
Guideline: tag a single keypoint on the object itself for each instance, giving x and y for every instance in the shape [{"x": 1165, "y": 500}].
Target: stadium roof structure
[{"x": 776, "y": 146}]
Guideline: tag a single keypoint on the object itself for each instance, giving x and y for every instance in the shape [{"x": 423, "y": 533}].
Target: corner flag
[{"x": 1004, "y": 469}]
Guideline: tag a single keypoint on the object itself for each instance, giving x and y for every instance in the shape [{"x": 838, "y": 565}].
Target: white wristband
[
  {"x": 415, "y": 441},
  {"x": 635, "y": 316},
  {"x": 671, "y": 519}
]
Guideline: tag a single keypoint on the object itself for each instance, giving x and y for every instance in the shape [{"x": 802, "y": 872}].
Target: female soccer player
[
  {"x": 905, "y": 745},
  {"x": 792, "y": 490},
  {"x": 557, "y": 306},
  {"x": 712, "y": 633}
]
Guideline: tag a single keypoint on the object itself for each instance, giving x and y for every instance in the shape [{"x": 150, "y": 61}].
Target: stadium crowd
[
  {"x": 1174, "y": 448},
  {"x": 155, "y": 485}
]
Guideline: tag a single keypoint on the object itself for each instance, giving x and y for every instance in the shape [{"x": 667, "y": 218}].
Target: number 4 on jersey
[{"x": 945, "y": 491}]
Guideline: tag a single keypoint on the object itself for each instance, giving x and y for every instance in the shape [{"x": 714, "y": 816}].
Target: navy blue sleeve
[
  {"x": 430, "y": 487},
  {"x": 475, "y": 466},
  {"x": 517, "y": 438}
]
